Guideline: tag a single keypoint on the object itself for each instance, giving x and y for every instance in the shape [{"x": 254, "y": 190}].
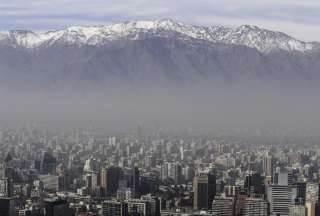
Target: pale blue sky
[{"x": 299, "y": 18}]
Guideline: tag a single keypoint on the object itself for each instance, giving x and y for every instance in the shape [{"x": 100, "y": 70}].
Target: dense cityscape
[
  {"x": 159, "y": 108},
  {"x": 80, "y": 172}
]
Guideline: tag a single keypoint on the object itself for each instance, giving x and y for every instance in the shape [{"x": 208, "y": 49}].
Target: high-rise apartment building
[
  {"x": 223, "y": 206},
  {"x": 204, "y": 186},
  {"x": 255, "y": 207},
  {"x": 114, "y": 208},
  {"x": 110, "y": 179},
  {"x": 268, "y": 166},
  {"x": 281, "y": 197}
]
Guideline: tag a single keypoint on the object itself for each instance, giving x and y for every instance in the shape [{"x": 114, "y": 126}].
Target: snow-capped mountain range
[
  {"x": 163, "y": 52},
  {"x": 251, "y": 36}
]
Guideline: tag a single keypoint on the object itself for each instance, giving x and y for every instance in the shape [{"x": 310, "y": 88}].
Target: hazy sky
[{"x": 300, "y": 18}]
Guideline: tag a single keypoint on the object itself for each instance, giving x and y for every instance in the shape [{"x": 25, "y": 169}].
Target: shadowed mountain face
[
  {"x": 153, "y": 53},
  {"x": 151, "y": 61}
]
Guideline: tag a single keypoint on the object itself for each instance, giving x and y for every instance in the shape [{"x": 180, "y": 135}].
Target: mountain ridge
[{"x": 252, "y": 36}]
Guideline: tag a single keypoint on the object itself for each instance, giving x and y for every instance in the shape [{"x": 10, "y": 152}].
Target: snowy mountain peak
[{"x": 247, "y": 35}]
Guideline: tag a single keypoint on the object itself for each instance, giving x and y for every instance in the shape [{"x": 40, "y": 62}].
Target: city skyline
[{"x": 159, "y": 108}]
